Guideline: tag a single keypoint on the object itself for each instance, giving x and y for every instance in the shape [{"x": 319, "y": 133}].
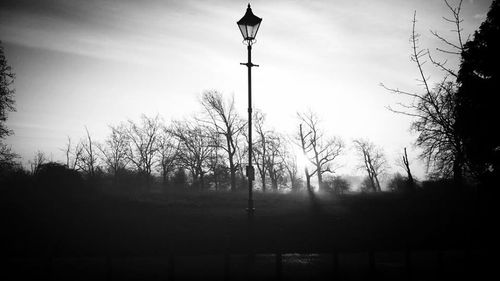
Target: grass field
[
  {"x": 98, "y": 233},
  {"x": 97, "y": 223}
]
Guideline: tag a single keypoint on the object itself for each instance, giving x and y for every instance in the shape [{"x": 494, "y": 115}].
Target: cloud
[{"x": 480, "y": 17}]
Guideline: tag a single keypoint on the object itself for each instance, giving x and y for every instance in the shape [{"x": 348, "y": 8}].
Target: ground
[{"x": 121, "y": 225}]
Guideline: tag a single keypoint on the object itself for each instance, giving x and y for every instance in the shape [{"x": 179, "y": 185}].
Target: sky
[{"x": 97, "y": 63}]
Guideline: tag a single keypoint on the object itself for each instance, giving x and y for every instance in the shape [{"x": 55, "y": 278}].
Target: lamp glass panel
[
  {"x": 252, "y": 30},
  {"x": 243, "y": 30}
]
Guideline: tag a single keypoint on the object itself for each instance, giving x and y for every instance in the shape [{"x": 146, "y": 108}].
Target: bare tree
[
  {"x": 73, "y": 155},
  {"x": 88, "y": 155},
  {"x": 216, "y": 161},
  {"x": 226, "y": 122},
  {"x": 405, "y": 163},
  {"x": 196, "y": 146},
  {"x": 269, "y": 153},
  {"x": 260, "y": 147},
  {"x": 114, "y": 150},
  {"x": 242, "y": 157},
  {"x": 274, "y": 160},
  {"x": 143, "y": 143},
  {"x": 373, "y": 161},
  {"x": 452, "y": 48},
  {"x": 321, "y": 150},
  {"x": 434, "y": 109},
  {"x": 77, "y": 156},
  {"x": 290, "y": 164},
  {"x": 38, "y": 160},
  {"x": 168, "y": 150},
  {"x": 67, "y": 152},
  {"x": 305, "y": 147}
]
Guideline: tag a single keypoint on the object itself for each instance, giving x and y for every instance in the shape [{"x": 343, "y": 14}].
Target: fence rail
[{"x": 277, "y": 265}]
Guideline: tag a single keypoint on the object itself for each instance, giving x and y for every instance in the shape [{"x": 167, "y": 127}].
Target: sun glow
[{"x": 302, "y": 160}]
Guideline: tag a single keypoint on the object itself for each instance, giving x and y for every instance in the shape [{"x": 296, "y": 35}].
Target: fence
[{"x": 369, "y": 265}]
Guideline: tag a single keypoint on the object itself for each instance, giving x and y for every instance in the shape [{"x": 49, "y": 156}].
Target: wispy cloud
[
  {"x": 130, "y": 31},
  {"x": 481, "y": 17}
]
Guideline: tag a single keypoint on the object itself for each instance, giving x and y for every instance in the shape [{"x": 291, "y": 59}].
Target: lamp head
[{"x": 249, "y": 25}]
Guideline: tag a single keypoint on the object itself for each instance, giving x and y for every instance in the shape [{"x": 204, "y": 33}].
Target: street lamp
[{"x": 249, "y": 25}]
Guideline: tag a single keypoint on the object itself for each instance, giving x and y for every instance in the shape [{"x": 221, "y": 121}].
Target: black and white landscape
[{"x": 227, "y": 140}]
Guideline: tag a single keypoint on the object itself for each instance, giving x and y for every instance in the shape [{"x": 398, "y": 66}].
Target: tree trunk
[
  {"x": 263, "y": 175},
  {"x": 274, "y": 183},
  {"x": 320, "y": 178},
  {"x": 202, "y": 181},
  {"x": 216, "y": 179},
  {"x": 406, "y": 162},
  {"x": 164, "y": 174},
  {"x": 372, "y": 180},
  {"x": 374, "y": 187},
  {"x": 274, "y": 179},
  {"x": 232, "y": 171},
  {"x": 457, "y": 169},
  {"x": 230, "y": 154},
  {"x": 292, "y": 180},
  {"x": 115, "y": 176},
  {"x": 302, "y": 139},
  {"x": 378, "y": 183},
  {"x": 308, "y": 180}
]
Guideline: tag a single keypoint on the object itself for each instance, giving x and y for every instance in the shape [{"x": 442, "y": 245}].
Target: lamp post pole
[
  {"x": 249, "y": 25},
  {"x": 250, "y": 169}
]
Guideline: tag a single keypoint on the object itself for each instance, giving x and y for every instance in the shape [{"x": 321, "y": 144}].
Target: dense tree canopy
[
  {"x": 477, "y": 97},
  {"x": 6, "y": 105},
  {"x": 6, "y": 92}
]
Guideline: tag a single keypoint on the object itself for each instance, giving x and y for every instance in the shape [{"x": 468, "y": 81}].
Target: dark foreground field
[{"x": 207, "y": 235}]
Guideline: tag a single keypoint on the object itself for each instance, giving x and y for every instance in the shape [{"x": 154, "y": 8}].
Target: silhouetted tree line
[
  {"x": 204, "y": 152},
  {"x": 208, "y": 152}
]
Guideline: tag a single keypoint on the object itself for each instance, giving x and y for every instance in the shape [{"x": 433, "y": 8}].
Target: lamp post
[{"x": 249, "y": 25}]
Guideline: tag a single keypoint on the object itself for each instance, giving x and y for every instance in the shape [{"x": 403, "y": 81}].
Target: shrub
[
  {"x": 337, "y": 184},
  {"x": 399, "y": 183},
  {"x": 14, "y": 176},
  {"x": 57, "y": 177},
  {"x": 341, "y": 185},
  {"x": 366, "y": 185},
  {"x": 180, "y": 179}
]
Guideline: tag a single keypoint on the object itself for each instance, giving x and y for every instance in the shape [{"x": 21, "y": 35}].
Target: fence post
[
  {"x": 48, "y": 267},
  {"x": 439, "y": 264},
  {"x": 335, "y": 257},
  {"x": 371, "y": 260},
  {"x": 409, "y": 270},
  {"x": 251, "y": 250},
  {"x": 227, "y": 266},
  {"x": 469, "y": 266},
  {"x": 50, "y": 254},
  {"x": 279, "y": 265},
  {"x": 109, "y": 269},
  {"x": 227, "y": 259},
  {"x": 171, "y": 267}
]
